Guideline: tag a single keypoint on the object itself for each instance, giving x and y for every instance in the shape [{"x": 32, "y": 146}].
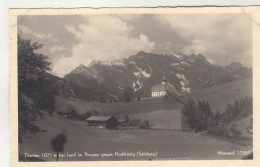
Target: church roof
[
  {"x": 158, "y": 88},
  {"x": 161, "y": 87}
]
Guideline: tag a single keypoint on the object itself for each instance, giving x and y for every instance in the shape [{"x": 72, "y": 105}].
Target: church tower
[{"x": 164, "y": 80}]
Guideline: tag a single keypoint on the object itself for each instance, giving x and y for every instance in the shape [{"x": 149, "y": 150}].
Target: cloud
[
  {"x": 52, "y": 48},
  {"x": 79, "y": 39},
  {"x": 167, "y": 39},
  {"x": 56, "y": 49},
  {"x": 101, "y": 37},
  {"x": 24, "y": 30},
  {"x": 223, "y": 38}
]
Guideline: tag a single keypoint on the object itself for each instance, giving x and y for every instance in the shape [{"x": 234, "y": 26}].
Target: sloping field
[
  {"x": 165, "y": 144},
  {"x": 116, "y": 108},
  {"x": 219, "y": 95},
  {"x": 162, "y": 113},
  {"x": 242, "y": 125},
  {"x": 165, "y": 119}
]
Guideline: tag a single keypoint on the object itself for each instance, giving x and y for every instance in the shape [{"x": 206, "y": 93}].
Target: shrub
[
  {"x": 217, "y": 131},
  {"x": 198, "y": 115},
  {"x": 128, "y": 93},
  {"x": 144, "y": 124},
  {"x": 58, "y": 143},
  {"x": 135, "y": 122},
  {"x": 235, "y": 133},
  {"x": 140, "y": 124}
]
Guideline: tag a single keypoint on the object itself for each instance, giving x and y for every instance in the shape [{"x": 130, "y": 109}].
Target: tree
[
  {"x": 138, "y": 97},
  {"x": 236, "y": 133},
  {"x": 102, "y": 100},
  {"x": 58, "y": 143},
  {"x": 145, "y": 124},
  {"x": 217, "y": 131},
  {"x": 72, "y": 114},
  {"x": 126, "y": 117},
  {"x": 31, "y": 66},
  {"x": 128, "y": 94},
  {"x": 217, "y": 117},
  {"x": 198, "y": 115},
  {"x": 189, "y": 113},
  {"x": 34, "y": 92}
]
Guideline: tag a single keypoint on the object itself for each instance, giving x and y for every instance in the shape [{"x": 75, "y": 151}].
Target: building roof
[
  {"x": 158, "y": 88},
  {"x": 99, "y": 118},
  {"x": 170, "y": 88},
  {"x": 161, "y": 87}
]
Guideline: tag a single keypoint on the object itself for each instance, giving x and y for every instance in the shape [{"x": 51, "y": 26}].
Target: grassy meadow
[
  {"x": 168, "y": 144},
  {"x": 219, "y": 95},
  {"x": 162, "y": 113},
  {"x": 62, "y": 104},
  {"x": 163, "y": 138}
]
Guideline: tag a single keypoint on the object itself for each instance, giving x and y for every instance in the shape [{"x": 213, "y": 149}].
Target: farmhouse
[
  {"x": 123, "y": 121},
  {"x": 108, "y": 122},
  {"x": 163, "y": 89}
]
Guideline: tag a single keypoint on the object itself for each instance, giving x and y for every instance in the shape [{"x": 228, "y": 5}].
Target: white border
[{"x": 4, "y": 40}]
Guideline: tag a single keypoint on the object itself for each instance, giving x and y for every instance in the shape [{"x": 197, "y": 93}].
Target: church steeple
[{"x": 164, "y": 80}]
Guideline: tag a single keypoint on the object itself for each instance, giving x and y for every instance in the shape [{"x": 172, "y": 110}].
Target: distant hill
[
  {"x": 243, "y": 125},
  {"x": 219, "y": 95},
  {"x": 237, "y": 70},
  {"x": 89, "y": 92},
  {"x": 143, "y": 70},
  {"x": 157, "y": 111}
]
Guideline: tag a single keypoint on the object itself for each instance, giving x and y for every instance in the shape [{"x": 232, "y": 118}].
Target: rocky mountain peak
[
  {"x": 143, "y": 70},
  {"x": 234, "y": 66},
  {"x": 81, "y": 68}
]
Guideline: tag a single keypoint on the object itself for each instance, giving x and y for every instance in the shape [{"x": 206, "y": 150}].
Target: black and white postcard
[{"x": 134, "y": 86}]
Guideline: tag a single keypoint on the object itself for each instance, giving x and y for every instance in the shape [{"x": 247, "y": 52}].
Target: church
[{"x": 163, "y": 89}]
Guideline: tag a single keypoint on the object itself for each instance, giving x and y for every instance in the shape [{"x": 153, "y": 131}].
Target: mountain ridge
[{"x": 142, "y": 70}]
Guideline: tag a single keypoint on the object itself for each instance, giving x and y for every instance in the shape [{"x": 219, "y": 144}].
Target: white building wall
[
  {"x": 159, "y": 94},
  {"x": 162, "y": 93}
]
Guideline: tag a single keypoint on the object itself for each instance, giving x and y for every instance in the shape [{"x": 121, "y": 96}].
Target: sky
[{"x": 71, "y": 40}]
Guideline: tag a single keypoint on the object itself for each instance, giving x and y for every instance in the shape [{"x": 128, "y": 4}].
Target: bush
[
  {"x": 217, "y": 131},
  {"x": 128, "y": 94},
  {"x": 140, "y": 124},
  {"x": 58, "y": 143},
  {"x": 135, "y": 122},
  {"x": 235, "y": 133},
  {"x": 198, "y": 115},
  {"x": 144, "y": 124}
]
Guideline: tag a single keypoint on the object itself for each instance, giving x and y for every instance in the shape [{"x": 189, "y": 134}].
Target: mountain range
[{"x": 107, "y": 79}]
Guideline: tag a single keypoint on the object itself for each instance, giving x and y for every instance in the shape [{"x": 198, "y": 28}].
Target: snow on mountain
[
  {"x": 185, "y": 63},
  {"x": 184, "y": 83},
  {"x": 137, "y": 85},
  {"x": 143, "y": 70},
  {"x": 175, "y": 64},
  {"x": 178, "y": 56}
]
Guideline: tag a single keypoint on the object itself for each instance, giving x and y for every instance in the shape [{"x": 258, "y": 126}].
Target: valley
[
  {"x": 168, "y": 144},
  {"x": 165, "y": 137},
  {"x": 158, "y": 110}
]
